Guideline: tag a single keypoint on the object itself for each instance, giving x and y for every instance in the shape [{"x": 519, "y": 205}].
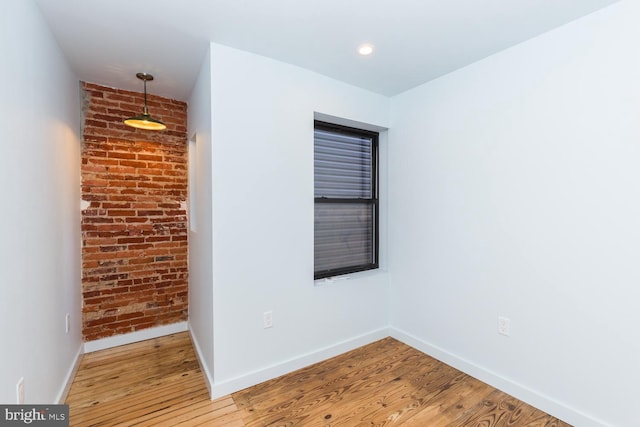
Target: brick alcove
[{"x": 134, "y": 218}]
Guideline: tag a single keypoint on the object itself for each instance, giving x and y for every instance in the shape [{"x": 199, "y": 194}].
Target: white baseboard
[
  {"x": 144, "y": 334},
  {"x": 204, "y": 367},
  {"x": 532, "y": 397},
  {"x": 258, "y": 376},
  {"x": 71, "y": 374}
]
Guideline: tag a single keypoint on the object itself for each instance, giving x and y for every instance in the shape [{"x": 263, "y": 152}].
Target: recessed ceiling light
[{"x": 365, "y": 49}]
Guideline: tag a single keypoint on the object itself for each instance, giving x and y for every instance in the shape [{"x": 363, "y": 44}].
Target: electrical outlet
[
  {"x": 504, "y": 326},
  {"x": 67, "y": 323},
  {"x": 20, "y": 391},
  {"x": 267, "y": 319}
]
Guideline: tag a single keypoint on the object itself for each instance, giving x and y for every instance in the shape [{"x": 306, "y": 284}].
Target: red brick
[
  {"x": 121, "y": 155},
  {"x": 135, "y": 181}
]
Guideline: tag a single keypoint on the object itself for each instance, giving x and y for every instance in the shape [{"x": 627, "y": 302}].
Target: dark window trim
[{"x": 374, "y": 200}]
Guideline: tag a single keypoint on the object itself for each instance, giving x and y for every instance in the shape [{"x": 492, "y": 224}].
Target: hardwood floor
[
  {"x": 384, "y": 383},
  {"x": 151, "y": 383},
  {"x": 159, "y": 383}
]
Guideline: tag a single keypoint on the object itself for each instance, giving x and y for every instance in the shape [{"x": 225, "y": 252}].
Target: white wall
[
  {"x": 200, "y": 234},
  {"x": 262, "y": 177},
  {"x": 515, "y": 191},
  {"x": 40, "y": 227}
]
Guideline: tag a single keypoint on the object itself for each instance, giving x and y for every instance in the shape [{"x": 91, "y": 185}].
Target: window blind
[{"x": 346, "y": 205}]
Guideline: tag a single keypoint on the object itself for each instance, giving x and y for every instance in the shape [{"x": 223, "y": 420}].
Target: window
[{"x": 346, "y": 200}]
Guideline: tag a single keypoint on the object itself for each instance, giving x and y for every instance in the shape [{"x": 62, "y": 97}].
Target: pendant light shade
[{"x": 145, "y": 121}]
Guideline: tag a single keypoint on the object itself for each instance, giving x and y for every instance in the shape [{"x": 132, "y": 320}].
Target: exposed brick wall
[{"x": 134, "y": 229}]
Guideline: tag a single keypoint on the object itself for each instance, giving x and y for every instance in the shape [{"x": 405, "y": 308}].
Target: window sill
[{"x": 351, "y": 276}]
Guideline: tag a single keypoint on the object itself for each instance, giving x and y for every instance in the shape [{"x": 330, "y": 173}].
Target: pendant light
[{"x": 145, "y": 121}]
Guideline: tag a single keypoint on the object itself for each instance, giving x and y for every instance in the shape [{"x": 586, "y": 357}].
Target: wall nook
[{"x": 134, "y": 231}]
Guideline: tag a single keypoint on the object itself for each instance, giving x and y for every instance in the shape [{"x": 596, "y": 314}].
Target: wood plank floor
[{"x": 159, "y": 383}]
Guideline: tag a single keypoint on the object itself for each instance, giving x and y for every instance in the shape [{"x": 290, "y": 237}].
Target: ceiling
[{"x": 108, "y": 41}]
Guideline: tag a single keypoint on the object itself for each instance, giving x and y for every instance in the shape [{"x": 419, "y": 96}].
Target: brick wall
[{"x": 134, "y": 224}]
